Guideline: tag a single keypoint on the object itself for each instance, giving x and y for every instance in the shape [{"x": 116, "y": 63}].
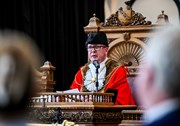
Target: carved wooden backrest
[{"x": 130, "y": 53}]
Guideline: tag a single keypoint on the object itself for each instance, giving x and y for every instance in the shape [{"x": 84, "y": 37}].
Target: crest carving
[{"x": 126, "y": 17}]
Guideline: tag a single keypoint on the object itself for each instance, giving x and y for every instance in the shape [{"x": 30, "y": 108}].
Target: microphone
[{"x": 96, "y": 64}]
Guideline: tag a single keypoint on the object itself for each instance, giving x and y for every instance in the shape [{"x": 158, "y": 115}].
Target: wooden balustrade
[{"x": 50, "y": 98}]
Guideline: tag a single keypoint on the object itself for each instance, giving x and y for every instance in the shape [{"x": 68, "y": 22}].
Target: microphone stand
[
  {"x": 96, "y": 82},
  {"x": 96, "y": 64}
]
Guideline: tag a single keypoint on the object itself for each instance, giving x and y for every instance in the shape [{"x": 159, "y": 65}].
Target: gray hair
[
  {"x": 164, "y": 53},
  {"x": 19, "y": 57}
]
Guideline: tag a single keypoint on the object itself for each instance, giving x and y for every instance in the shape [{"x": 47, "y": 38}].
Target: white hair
[{"x": 164, "y": 54}]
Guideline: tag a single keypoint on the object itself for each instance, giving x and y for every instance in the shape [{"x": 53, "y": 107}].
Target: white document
[{"x": 70, "y": 91}]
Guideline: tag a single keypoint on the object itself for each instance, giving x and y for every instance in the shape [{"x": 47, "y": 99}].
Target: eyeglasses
[{"x": 96, "y": 48}]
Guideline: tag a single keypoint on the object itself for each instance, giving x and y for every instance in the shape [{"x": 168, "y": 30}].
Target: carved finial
[
  {"x": 48, "y": 71},
  {"x": 94, "y": 21},
  {"x": 47, "y": 66},
  {"x": 129, "y": 3},
  {"x": 162, "y": 18},
  {"x": 46, "y": 84},
  {"x": 162, "y": 12},
  {"x": 94, "y": 15}
]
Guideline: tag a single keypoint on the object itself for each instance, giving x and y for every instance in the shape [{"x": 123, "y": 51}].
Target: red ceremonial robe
[{"x": 116, "y": 81}]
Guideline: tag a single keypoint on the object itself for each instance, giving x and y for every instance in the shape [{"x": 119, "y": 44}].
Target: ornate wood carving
[
  {"x": 126, "y": 36},
  {"x": 84, "y": 115},
  {"x": 126, "y": 17},
  {"x": 95, "y": 117},
  {"x": 125, "y": 52},
  {"x": 44, "y": 115}
]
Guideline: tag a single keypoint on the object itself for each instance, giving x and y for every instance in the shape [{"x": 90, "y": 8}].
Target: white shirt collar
[
  {"x": 160, "y": 110},
  {"x": 103, "y": 62}
]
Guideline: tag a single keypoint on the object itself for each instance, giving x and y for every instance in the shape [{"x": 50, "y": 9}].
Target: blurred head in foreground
[
  {"x": 158, "y": 86},
  {"x": 18, "y": 59}
]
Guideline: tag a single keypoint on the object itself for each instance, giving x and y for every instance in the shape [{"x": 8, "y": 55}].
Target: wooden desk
[{"x": 89, "y": 115}]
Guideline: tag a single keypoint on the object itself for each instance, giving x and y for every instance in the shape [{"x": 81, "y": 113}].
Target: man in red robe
[{"x": 112, "y": 78}]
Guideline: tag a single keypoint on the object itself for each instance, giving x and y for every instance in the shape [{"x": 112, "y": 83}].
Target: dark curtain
[{"x": 57, "y": 28}]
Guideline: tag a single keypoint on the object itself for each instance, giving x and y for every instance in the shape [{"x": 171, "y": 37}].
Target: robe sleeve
[
  {"x": 77, "y": 82},
  {"x": 118, "y": 82}
]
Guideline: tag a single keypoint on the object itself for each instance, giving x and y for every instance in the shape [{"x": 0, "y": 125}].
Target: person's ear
[{"x": 107, "y": 49}]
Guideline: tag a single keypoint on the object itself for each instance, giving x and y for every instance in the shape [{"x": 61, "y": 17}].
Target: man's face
[
  {"x": 97, "y": 52},
  {"x": 144, "y": 86}
]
